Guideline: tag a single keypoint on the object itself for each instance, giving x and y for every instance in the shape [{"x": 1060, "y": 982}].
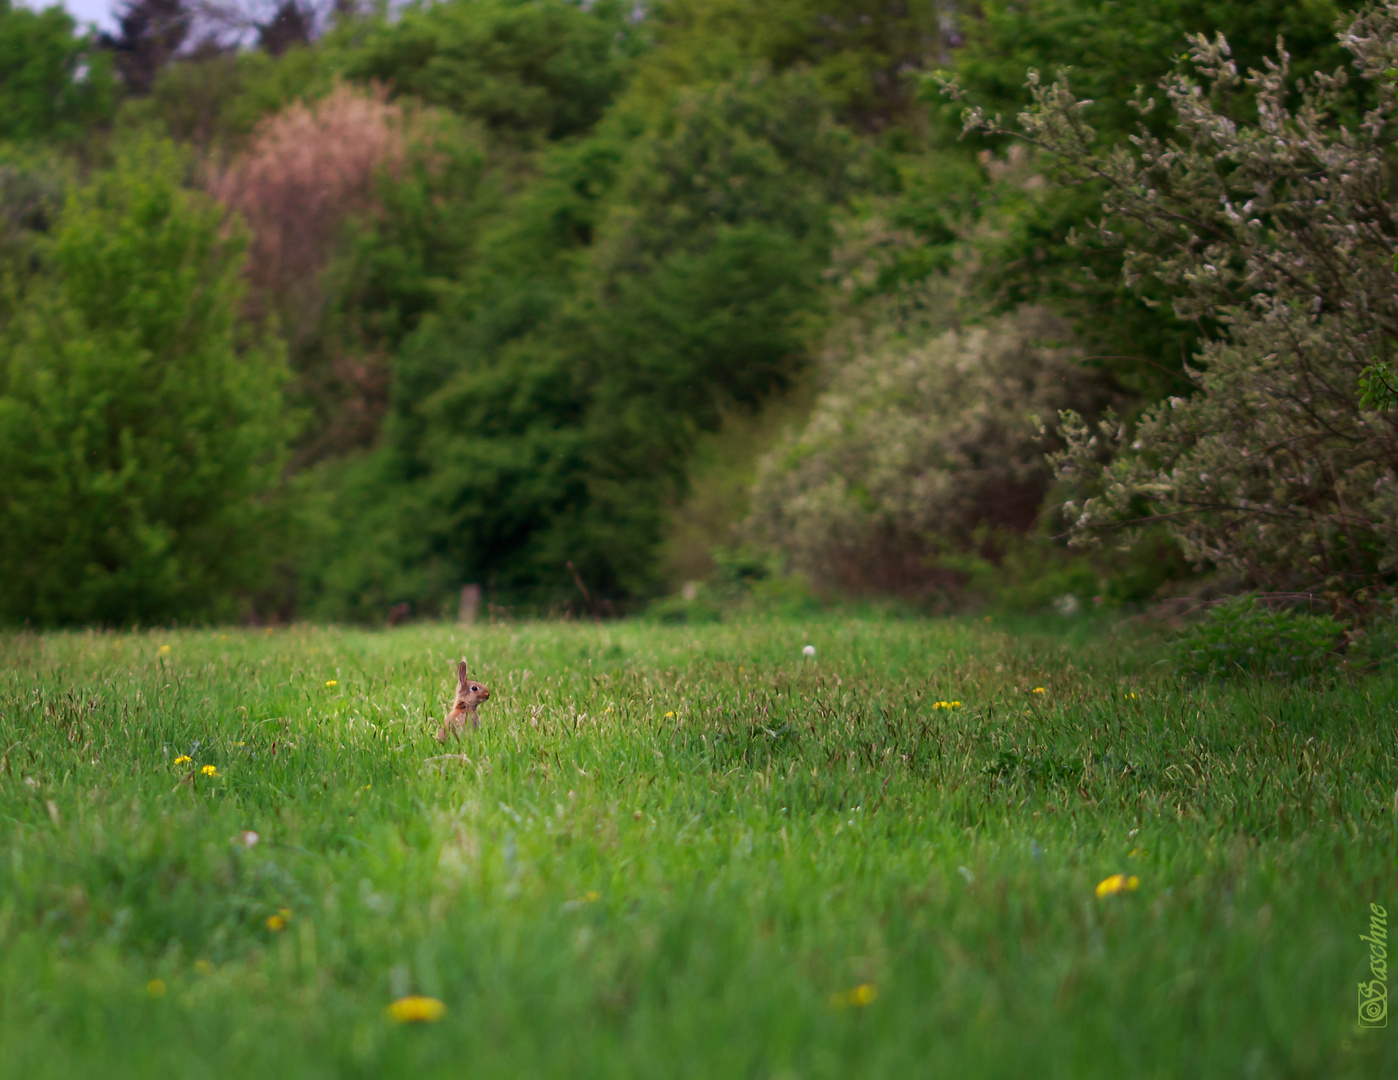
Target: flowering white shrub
[
  {"x": 921, "y": 440},
  {"x": 1271, "y": 211}
]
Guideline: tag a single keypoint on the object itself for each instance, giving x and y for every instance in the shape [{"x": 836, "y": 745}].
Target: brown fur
[{"x": 469, "y": 694}]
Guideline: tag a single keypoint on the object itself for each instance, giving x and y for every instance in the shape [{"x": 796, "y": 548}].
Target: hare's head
[{"x": 468, "y": 690}]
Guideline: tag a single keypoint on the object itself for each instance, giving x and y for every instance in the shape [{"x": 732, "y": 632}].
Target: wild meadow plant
[{"x": 920, "y": 848}]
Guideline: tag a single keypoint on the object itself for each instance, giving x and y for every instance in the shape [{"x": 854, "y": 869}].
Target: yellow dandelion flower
[
  {"x": 156, "y": 988},
  {"x": 668, "y": 715},
  {"x": 416, "y": 1010},
  {"x": 332, "y": 683},
  {"x": 164, "y": 650},
  {"x": 1040, "y": 690},
  {"x": 183, "y": 759},
  {"x": 209, "y": 770},
  {"x": 1118, "y": 883},
  {"x": 862, "y": 995},
  {"x": 276, "y": 923}
]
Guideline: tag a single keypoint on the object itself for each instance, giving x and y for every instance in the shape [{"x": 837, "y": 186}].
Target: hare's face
[{"x": 472, "y": 693}]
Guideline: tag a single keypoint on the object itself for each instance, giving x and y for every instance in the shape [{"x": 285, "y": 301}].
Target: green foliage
[
  {"x": 1114, "y": 46},
  {"x": 527, "y": 68},
  {"x": 745, "y": 581},
  {"x": 1376, "y": 386},
  {"x": 400, "y": 259},
  {"x": 1110, "y": 48},
  {"x": 864, "y": 56},
  {"x": 138, "y": 425},
  {"x": 1378, "y": 383},
  {"x": 604, "y": 230},
  {"x": 649, "y": 280},
  {"x": 1030, "y": 574},
  {"x": 53, "y": 83},
  {"x": 32, "y": 182},
  {"x": 1373, "y": 642},
  {"x": 1032, "y": 255},
  {"x": 1243, "y": 637},
  {"x": 215, "y": 101},
  {"x": 383, "y": 271}
]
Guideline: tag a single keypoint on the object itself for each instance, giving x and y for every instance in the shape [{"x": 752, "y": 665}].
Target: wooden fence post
[{"x": 470, "y": 604}]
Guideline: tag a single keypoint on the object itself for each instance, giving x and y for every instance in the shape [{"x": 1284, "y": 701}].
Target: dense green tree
[
  {"x": 392, "y": 266},
  {"x": 138, "y": 426},
  {"x": 864, "y": 54},
  {"x": 543, "y": 415},
  {"x": 526, "y": 67},
  {"x": 53, "y": 82},
  {"x": 32, "y": 181}
]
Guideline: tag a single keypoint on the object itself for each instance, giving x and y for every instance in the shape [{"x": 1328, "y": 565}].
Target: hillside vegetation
[{"x": 319, "y": 314}]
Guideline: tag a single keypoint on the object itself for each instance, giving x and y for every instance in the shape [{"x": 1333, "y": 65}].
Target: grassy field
[{"x": 684, "y": 852}]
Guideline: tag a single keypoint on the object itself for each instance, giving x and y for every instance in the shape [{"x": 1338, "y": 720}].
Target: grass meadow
[{"x": 685, "y": 852}]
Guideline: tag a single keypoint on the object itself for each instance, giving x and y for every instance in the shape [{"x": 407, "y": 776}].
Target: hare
[{"x": 469, "y": 694}]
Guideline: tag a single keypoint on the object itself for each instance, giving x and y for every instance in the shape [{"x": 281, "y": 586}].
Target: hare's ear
[{"x": 461, "y": 677}]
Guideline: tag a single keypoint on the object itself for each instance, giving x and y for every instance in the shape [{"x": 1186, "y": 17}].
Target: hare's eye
[{"x": 475, "y": 689}]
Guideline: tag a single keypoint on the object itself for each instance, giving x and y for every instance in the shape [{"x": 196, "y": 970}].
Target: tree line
[{"x": 312, "y": 313}]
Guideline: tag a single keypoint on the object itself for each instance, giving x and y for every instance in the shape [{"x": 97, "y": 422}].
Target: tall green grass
[{"x": 676, "y": 851}]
